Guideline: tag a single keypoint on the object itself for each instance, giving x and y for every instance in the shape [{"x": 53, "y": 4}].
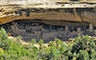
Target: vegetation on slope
[{"x": 82, "y": 48}]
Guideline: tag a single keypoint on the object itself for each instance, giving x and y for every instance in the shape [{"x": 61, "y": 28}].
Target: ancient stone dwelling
[{"x": 48, "y": 32}]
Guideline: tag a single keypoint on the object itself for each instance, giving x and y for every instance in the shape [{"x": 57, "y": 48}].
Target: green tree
[
  {"x": 41, "y": 42},
  {"x": 33, "y": 41},
  {"x": 52, "y": 53},
  {"x": 58, "y": 42},
  {"x": 83, "y": 55},
  {"x": 83, "y": 43},
  {"x": 51, "y": 44}
]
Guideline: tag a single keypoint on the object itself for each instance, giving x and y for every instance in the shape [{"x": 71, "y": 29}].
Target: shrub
[{"x": 82, "y": 48}]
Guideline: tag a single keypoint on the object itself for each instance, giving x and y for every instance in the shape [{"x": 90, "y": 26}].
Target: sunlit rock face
[
  {"x": 28, "y": 2},
  {"x": 44, "y": 1},
  {"x": 41, "y": 2}
]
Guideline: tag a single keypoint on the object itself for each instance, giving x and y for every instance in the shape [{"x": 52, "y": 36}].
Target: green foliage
[
  {"x": 85, "y": 48},
  {"x": 40, "y": 43},
  {"x": 93, "y": 54},
  {"x": 57, "y": 41},
  {"x": 33, "y": 41},
  {"x": 11, "y": 50},
  {"x": 52, "y": 53},
  {"x": 82, "y": 48},
  {"x": 83, "y": 43},
  {"x": 63, "y": 5},
  {"x": 83, "y": 55},
  {"x": 18, "y": 39},
  {"x": 51, "y": 43},
  {"x": 1, "y": 51}
]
